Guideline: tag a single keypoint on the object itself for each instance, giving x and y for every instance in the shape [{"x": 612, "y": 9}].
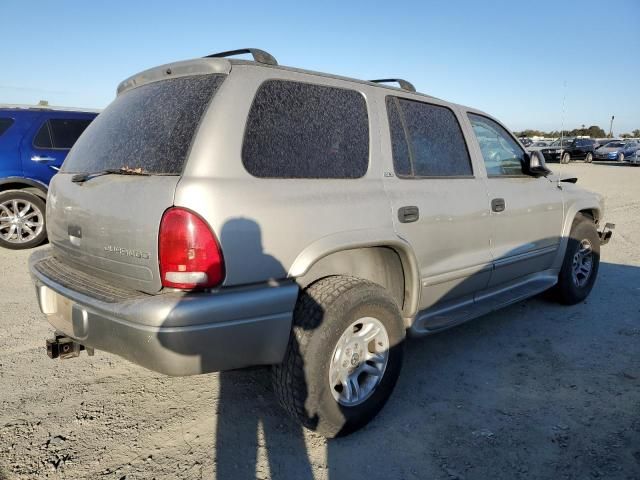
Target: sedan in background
[
  {"x": 617, "y": 150},
  {"x": 537, "y": 146},
  {"x": 634, "y": 159}
]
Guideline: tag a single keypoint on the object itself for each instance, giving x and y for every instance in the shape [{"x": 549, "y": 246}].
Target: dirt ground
[{"x": 534, "y": 391}]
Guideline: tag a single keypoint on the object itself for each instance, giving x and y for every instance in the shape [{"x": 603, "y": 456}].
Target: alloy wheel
[
  {"x": 359, "y": 361},
  {"x": 20, "y": 221}
]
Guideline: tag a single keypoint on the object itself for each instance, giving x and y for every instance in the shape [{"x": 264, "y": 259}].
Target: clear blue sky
[{"x": 509, "y": 58}]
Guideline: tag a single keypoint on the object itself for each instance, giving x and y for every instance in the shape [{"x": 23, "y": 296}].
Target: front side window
[
  {"x": 501, "y": 153},
  {"x": 426, "y": 140},
  {"x": 301, "y": 130},
  {"x": 65, "y": 132},
  {"x": 5, "y": 123}
]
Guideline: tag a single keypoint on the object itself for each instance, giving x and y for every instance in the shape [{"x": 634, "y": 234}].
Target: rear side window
[
  {"x": 426, "y": 140},
  {"x": 5, "y": 123},
  {"x": 43, "y": 137},
  {"x": 148, "y": 127},
  {"x": 300, "y": 130},
  {"x": 65, "y": 132},
  {"x": 60, "y": 133}
]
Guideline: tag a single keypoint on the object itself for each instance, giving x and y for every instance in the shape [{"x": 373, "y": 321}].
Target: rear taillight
[{"x": 189, "y": 253}]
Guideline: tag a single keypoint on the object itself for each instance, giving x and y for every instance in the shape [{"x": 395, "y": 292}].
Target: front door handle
[
  {"x": 408, "y": 214},
  {"x": 38, "y": 158},
  {"x": 498, "y": 205}
]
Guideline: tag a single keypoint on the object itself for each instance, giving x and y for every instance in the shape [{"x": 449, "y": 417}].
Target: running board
[{"x": 435, "y": 320}]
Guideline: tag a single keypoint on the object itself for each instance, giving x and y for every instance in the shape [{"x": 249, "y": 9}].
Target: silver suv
[{"x": 221, "y": 214}]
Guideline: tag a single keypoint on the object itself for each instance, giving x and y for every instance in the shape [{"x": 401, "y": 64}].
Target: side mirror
[{"x": 535, "y": 165}]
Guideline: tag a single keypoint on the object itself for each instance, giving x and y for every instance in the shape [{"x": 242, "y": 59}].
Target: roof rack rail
[
  {"x": 404, "y": 85},
  {"x": 258, "y": 55}
]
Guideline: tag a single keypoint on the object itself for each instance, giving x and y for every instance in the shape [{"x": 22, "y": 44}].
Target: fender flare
[
  {"x": 349, "y": 240},
  {"x": 570, "y": 216}
]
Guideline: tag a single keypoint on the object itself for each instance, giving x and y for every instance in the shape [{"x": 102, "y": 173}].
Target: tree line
[{"x": 593, "y": 131}]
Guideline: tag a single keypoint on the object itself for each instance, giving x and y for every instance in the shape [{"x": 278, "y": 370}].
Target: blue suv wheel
[{"x": 22, "y": 220}]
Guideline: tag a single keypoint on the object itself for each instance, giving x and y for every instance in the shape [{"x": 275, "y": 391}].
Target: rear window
[
  {"x": 300, "y": 130},
  {"x": 5, "y": 123},
  {"x": 149, "y": 127}
]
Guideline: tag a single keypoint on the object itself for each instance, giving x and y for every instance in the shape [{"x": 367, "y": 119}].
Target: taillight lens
[{"x": 190, "y": 256}]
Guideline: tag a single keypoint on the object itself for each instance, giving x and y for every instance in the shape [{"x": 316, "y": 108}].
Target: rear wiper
[{"x": 83, "y": 177}]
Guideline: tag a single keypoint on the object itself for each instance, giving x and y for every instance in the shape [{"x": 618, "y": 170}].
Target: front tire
[
  {"x": 621, "y": 157},
  {"x": 589, "y": 158},
  {"x": 566, "y": 158},
  {"x": 344, "y": 355},
  {"x": 581, "y": 262},
  {"x": 22, "y": 220}
]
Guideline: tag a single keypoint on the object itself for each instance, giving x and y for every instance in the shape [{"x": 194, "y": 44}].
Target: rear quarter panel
[
  {"x": 10, "y": 141},
  {"x": 264, "y": 225}
]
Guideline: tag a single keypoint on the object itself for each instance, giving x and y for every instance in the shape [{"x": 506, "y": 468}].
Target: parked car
[
  {"x": 634, "y": 158},
  {"x": 526, "y": 141},
  {"x": 617, "y": 150},
  {"x": 553, "y": 153},
  {"x": 537, "y": 146},
  {"x": 579, "y": 149},
  {"x": 34, "y": 141},
  {"x": 225, "y": 213}
]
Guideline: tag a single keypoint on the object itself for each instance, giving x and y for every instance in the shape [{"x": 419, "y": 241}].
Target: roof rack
[
  {"x": 408, "y": 86},
  {"x": 258, "y": 55}
]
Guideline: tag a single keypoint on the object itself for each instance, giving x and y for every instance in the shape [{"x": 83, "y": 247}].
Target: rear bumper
[{"x": 176, "y": 333}]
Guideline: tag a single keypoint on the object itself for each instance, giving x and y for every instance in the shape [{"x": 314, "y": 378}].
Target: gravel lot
[{"x": 534, "y": 391}]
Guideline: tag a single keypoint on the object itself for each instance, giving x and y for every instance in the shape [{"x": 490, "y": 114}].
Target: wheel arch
[
  {"x": 381, "y": 258},
  {"x": 19, "y": 183},
  {"x": 584, "y": 208}
]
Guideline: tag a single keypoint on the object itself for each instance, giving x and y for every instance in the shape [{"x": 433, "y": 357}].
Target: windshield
[
  {"x": 147, "y": 129},
  {"x": 614, "y": 145}
]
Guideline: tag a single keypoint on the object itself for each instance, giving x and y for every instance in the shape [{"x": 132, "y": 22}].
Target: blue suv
[{"x": 34, "y": 142}]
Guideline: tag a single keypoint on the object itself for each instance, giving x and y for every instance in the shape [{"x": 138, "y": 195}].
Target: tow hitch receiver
[
  {"x": 65, "y": 347},
  {"x": 605, "y": 234}
]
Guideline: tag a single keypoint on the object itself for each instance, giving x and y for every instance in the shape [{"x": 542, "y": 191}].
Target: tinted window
[
  {"x": 148, "y": 127},
  {"x": 65, "y": 132},
  {"x": 43, "y": 137},
  {"x": 426, "y": 140},
  {"x": 5, "y": 123},
  {"x": 501, "y": 153},
  {"x": 299, "y": 130}
]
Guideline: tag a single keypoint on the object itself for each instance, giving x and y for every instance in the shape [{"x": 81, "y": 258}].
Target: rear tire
[
  {"x": 581, "y": 262},
  {"x": 566, "y": 158},
  {"x": 326, "y": 312},
  {"x": 22, "y": 220},
  {"x": 588, "y": 158}
]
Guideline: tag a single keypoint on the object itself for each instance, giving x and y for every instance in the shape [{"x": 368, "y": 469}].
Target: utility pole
[
  {"x": 564, "y": 98},
  {"x": 611, "y": 127}
]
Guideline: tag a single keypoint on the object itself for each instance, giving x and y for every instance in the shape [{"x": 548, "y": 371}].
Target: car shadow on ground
[{"x": 509, "y": 395}]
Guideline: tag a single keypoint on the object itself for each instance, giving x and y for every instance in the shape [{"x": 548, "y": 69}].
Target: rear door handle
[
  {"x": 408, "y": 214},
  {"x": 38, "y": 158},
  {"x": 498, "y": 205}
]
